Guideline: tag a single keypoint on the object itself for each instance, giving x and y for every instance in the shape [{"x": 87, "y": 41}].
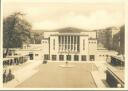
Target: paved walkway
[
  {"x": 100, "y": 75},
  {"x": 23, "y": 73}
]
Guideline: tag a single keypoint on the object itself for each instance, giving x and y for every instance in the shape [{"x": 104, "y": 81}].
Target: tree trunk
[{"x": 6, "y": 52}]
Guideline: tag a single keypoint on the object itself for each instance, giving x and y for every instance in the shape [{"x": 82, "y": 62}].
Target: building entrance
[
  {"x": 31, "y": 56},
  {"x": 68, "y": 57}
]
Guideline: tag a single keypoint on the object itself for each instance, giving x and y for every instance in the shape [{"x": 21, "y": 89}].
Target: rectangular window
[
  {"x": 46, "y": 57},
  {"x": 65, "y": 39},
  {"x": 59, "y": 39},
  {"x": 74, "y": 39},
  {"x": 71, "y": 42},
  {"x": 36, "y": 54},
  {"x": 53, "y": 57},
  {"x": 54, "y": 44},
  {"x": 62, "y": 39},
  {"x": 61, "y": 57},
  {"x": 92, "y": 58},
  {"x": 65, "y": 42},
  {"x": 71, "y": 39},
  {"x": 78, "y": 43},
  {"x": 68, "y": 57},
  {"x": 78, "y": 40},
  {"x": 72, "y": 47},
  {"x": 78, "y": 47},
  {"x": 76, "y": 57},
  {"x": 68, "y": 42},
  {"x": 83, "y": 44},
  {"x": 83, "y": 57}
]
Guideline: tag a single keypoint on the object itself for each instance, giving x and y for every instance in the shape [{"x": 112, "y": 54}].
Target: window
[
  {"x": 68, "y": 57},
  {"x": 76, "y": 57},
  {"x": 46, "y": 57},
  {"x": 62, "y": 39},
  {"x": 53, "y": 57},
  {"x": 71, "y": 42},
  {"x": 61, "y": 57},
  {"x": 36, "y": 54},
  {"x": 83, "y": 44},
  {"x": 78, "y": 43},
  {"x": 83, "y": 57},
  {"x": 59, "y": 39},
  {"x": 68, "y": 39},
  {"x": 65, "y": 42},
  {"x": 74, "y": 39},
  {"x": 31, "y": 56},
  {"x": 54, "y": 44},
  {"x": 65, "y": 39},
  {"x": 92, "y": 57},
  {"x": 71, "y": 39}
]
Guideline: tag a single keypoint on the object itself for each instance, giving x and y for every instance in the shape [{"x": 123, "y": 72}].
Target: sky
[{"x": 51, "y": 15}]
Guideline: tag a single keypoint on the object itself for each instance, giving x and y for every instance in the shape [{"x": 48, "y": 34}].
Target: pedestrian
[
  {"x": 4, "y": 77},
  {"x": 10, "y": 76}
]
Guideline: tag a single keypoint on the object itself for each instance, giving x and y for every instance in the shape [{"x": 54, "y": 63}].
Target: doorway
[{"x": 31, "y": 56}]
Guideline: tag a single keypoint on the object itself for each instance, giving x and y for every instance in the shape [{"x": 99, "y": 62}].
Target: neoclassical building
[
  {"x": 71, "y": 44},
  {"x": 67, "y": 44}
]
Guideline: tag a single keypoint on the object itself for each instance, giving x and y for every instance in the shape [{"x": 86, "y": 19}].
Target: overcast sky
[{"x": 43, "y": 14}]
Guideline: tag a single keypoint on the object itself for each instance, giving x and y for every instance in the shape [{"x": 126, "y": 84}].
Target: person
[
  {"x": 4, "y": 77},
  {"x": 10, "y": 76}
]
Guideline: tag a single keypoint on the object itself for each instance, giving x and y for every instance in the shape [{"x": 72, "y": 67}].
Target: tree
[
  {"x": 16, "y": 31},
  {"x": 118, "y": 41},
  {"x": 108, "y": 36},
  {"x": 122, "y": 39},
  {"x": 105, "y": 38}
]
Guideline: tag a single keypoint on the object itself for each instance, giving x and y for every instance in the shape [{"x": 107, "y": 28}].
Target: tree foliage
[
  {"x": 104, "y": 37},
  {"x": 118, "y": 41},
  {"x": 16, "y": 31}
]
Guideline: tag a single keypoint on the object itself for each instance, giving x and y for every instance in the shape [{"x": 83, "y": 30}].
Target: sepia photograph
[{"x": 63, "y": 44}]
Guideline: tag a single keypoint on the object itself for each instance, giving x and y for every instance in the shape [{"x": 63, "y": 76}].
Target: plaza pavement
[
  {"x": 51, "y": 75},
  {"x": 22, "y": 73}
]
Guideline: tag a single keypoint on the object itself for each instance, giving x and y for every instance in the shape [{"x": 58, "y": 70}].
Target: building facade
[{"x": 70, "y": 44}]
